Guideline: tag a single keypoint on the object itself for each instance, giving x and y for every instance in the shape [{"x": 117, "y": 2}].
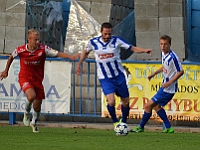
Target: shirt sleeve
[
  {"x": 176, "y": 61},
  {"x": 89, "y": 47},
  {"x": 50, "y": 52},
  {"x": 124, "y": 44},
  {"x": 177, "y": 64},
  {"x": 14, "y": 53}
]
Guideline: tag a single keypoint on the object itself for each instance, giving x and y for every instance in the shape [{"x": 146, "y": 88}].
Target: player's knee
[
  {"x": 125, "y": 101},
  {"x": 125, "y": 104},
  {"x": 157, "y": 108},
  {"x": 31, "y": 97},
  {"x": 111, "y": 103},
  {"x": 37, "y": 109},
  {"x": 148, "y": 108}
]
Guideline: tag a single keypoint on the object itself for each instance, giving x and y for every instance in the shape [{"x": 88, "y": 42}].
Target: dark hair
[
  {"x": 106, "y": 25},
  {"x": 166, "y": 37}
]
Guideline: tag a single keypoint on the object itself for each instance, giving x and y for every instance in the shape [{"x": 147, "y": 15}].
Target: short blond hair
[{"x": 33, "y": 31}]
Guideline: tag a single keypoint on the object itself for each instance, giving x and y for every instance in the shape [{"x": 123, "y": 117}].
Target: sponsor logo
[
  {"x": 21, "y": 50},
  {"x": 25, "y": 84},
  {"x": 112, "y": 46},
  {"x": 31, "y": 62},
  {"x": 105, "y": 56}
]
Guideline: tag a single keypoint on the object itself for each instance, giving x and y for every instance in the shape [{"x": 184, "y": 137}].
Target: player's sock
[
  {"x": 28, "y": 106},
  {"x": 125, "y": 113},
  {"x": 36, "y": 116},
  {"x": 146, "y": 116},
  {"x": 111, "y": 110},
  {"x": 162, "y": 114}
]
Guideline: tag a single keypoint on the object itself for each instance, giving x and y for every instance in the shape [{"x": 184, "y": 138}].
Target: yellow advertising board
[{"x": 185, "y": 104}]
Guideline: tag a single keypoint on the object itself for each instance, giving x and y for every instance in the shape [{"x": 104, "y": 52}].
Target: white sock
[
  {"x": 28, "y": 106},
  {"x": 36, "y": 116}
]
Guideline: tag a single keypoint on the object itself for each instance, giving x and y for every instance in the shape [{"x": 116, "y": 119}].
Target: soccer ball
[{"x": 121, "y": 129}]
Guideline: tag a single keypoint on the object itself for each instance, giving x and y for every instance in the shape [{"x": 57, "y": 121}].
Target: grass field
[{"x": 22, "y": 138}]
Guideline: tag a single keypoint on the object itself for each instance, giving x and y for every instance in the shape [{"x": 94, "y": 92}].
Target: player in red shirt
[{"x": 32, "y": 59}]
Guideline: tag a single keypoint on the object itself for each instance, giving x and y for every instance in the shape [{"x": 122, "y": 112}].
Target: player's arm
[
  {"x": 141, "y": 50},
  {"x": 54, "y": 53},
  {"x": 84, "y": 55},
  {"x": 64, "y": 55},
  {"x": 176, "y": 77},
  {"x": 155, "y": 73},
  {"x": 4, "y": 74},
  {"x": 135, "y": 49}
]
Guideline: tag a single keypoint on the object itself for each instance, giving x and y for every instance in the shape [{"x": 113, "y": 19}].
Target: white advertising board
[{"x": 57, "y": 85}]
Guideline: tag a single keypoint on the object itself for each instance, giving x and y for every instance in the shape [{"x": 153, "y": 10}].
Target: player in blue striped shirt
[
  {"x": 109, "y": 68},
  {"x": 172, "y": 71}
]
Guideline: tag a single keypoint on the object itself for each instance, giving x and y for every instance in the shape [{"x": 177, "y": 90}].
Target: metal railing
[
  {"x": 85, "y": 90},
  {"x": 84, "y": 100},
  {"x": 90, "y": 109}
]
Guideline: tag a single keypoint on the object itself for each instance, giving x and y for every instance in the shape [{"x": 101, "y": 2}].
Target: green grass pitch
[{"x": 22, "y": 138}]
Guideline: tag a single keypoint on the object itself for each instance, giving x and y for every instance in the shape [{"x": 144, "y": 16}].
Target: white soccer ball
[{"x": 121, "y": 129}]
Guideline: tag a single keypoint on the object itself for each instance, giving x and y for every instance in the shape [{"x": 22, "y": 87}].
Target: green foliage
[{"x": 17, "y": 137}]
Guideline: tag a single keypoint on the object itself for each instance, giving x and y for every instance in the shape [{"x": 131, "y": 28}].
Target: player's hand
[
  {"x": 150, "y": 76},
  {"x": 149, "y": 51},
  {"x": 75, "y": 56},
  {"x": 3, "y": 75},
  {"x": 78, "y": 70},
  {"x": 166, "y": 84}
]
